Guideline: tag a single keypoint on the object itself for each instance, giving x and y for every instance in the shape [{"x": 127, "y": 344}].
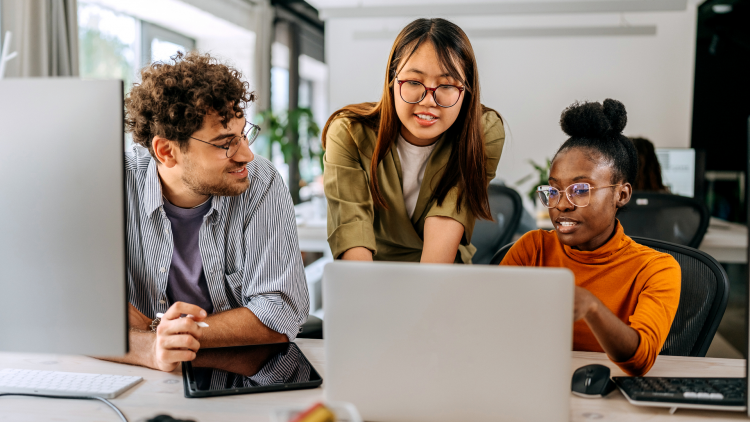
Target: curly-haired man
[{"x": 211, "y": 230}]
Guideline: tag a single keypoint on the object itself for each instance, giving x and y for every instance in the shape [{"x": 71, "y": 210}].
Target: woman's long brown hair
[
  {"x": 467, "y": 161},
  {"x": 649, "y": 169}
]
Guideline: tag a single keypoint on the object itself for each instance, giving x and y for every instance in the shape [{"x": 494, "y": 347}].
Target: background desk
[
  {"x": 725, "y": 241},
  {"x": 311, "y": 228},
  {"x": 163, "y": 393}
]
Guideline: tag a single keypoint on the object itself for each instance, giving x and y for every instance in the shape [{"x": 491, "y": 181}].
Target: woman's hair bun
[{"x": 593, "y": 120}]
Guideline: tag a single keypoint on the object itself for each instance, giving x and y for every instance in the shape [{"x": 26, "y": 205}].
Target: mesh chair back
[
  {"x": 703, "y": 297},
  {"x": 489, "y": 236},
  {"x": 671, "y": 218},
  {"x": 500, "y": 254}
]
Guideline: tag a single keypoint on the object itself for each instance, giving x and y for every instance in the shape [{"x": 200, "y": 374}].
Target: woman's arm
[
  {"x": 617, "y": 339},
  {"x": 441, "y": 238},
  {"x": 357, "y": 254},
  {"x": 350, "y": 208}
]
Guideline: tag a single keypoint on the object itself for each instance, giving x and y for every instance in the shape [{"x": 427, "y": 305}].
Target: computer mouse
[{"x": 592, "y": 381}]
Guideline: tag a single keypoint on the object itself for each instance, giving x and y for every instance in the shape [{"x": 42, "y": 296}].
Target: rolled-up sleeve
[
  {"x": 350, "y": 206},
  {"x": 494, "y": 139},
  {"x": 274, "y": 287}
]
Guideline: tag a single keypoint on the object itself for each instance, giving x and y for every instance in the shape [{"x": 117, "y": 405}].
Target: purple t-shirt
[{"x": 186, "y": 282}]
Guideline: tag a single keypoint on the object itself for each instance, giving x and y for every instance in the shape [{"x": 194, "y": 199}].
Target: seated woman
[
  {"x": 626, "y": 294},
  {"x": 649, "y": 170}
]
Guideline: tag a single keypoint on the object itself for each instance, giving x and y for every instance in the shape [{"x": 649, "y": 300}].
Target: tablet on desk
[{"x": 248, "y": 369}]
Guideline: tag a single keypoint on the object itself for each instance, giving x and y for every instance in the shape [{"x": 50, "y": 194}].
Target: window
[
  {"x": 115, "y": 45},
  {"x": 108, "y": 44},
  {"x": 159, "y": 44}
]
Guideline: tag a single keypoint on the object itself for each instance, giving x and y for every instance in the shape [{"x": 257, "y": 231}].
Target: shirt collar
[
  {"x": 152, "y": 199},
  {"x": 614, "y": 247}
]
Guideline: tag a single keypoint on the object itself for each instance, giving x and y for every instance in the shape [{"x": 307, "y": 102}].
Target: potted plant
[
  {"x": 297, "y": 134},
  {"x": 541, "y": 175}
]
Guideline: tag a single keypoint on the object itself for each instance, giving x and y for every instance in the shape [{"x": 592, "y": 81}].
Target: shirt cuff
[
  {"x": 352, "y": 235},
  {"x": 641, "y": 361},
  {"x": 276, "y": 315}
]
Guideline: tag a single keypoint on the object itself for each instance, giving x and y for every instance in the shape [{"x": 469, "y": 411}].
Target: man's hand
[
  {"x": 177, "y": 339},
  {"x": 585, "y": 303},
  {"x": 137, "y": 320}
]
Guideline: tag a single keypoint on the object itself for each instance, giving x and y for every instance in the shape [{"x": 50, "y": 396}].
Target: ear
[
  {"x": 165, "y": 151},
  {"x": 624, "y": 193}
]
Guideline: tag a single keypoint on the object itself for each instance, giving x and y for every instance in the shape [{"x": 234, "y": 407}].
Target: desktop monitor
[
  {"x": 62, "y": 219},
  {"x": 678, "y": 169}
]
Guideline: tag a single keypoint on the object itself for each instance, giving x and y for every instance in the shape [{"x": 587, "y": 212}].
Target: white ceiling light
[
  {"x": 417, "y": 8},
  {"x": 722, "y": 8}
]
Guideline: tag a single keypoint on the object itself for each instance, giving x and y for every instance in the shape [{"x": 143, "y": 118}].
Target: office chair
[
  {"x": 662, "y": 216},
  {"x": 500, "y": 254},
  {"x": 488, "y": 236},
  {"x": 703, "y": 297},
  {"x": 312, "y": 328}
]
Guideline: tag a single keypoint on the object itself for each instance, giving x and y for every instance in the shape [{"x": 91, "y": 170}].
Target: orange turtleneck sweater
[{"x": 638, "y": 284}]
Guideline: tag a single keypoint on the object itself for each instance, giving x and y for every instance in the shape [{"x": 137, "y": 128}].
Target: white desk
[
  {"x": 725, "y": 241},
  {"x": 163, "y": 393},
  {"x": 311, "y": 228}
]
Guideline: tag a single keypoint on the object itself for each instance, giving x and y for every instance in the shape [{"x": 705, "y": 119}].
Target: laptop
[{"x": 436, "y": 342}]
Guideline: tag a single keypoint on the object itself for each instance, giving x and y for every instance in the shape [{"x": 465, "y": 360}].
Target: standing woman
[{"x": 406, "y": 177}]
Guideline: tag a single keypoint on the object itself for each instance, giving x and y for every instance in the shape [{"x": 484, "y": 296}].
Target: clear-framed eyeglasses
[
  {"x": 579, "y": 194},
  {"x": 413, "y": 92},
  {"x": 233, "y": 145}
]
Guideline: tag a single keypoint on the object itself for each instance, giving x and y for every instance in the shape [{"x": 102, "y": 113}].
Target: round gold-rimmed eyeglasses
[{"x": 579, "y": 194}]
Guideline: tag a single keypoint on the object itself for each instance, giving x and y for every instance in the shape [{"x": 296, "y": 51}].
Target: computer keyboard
[
  {"x": 70, "y": 384},
  {"x": 697, "y": 393}
]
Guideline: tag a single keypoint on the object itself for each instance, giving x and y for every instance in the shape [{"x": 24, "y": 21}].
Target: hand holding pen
[{"x": 177, "y": 337}]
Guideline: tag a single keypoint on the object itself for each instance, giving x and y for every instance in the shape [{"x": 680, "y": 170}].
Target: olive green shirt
[{"x": 391, "y": 234}]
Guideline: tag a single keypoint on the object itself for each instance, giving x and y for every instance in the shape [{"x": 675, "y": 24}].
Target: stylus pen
[{"x": 200, "y": 324}]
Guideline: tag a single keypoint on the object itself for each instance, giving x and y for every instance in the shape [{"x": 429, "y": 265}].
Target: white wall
[{"x": 531, "y": 79}]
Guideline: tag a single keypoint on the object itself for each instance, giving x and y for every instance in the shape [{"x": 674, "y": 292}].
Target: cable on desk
[{"x": 107, "y": 402}]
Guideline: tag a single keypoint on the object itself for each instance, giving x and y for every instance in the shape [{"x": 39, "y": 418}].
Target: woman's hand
[{"x": 585, "y": 303}]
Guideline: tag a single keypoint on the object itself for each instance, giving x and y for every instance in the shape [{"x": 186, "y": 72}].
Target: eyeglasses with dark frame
[
  {"x": 579, "y": 194},
  {"x": 416, "y": 91},
  {"x": 231, "y": 147}
]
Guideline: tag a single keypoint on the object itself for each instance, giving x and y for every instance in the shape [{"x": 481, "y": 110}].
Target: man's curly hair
[{"x": 173, "y": 98}]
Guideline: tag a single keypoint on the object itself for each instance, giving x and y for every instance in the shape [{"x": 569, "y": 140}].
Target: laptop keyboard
[{"x": 696, "y": 391}]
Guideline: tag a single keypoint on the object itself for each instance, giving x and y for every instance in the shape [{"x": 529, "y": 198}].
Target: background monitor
[
  {"x": 62, "y": 225},
  {"x": 678, "y": 169}
]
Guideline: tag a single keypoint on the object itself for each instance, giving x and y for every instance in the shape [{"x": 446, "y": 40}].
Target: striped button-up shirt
[{"x": 248, "y": 244}]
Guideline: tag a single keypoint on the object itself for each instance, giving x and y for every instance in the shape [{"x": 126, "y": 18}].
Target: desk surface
[{"x": 162, "y": 392}]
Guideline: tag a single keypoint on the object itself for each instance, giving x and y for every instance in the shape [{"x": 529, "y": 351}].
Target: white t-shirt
[{"x": 413, "y": 164}]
